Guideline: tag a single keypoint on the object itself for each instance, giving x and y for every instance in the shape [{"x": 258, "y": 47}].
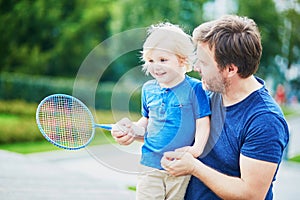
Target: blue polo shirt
[
  {"x": 254, "y": 127},
  {"x": 172, "y": 114}
]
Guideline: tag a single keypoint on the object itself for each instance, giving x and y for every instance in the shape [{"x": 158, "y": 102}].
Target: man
[{"x": 248, "y": 130}]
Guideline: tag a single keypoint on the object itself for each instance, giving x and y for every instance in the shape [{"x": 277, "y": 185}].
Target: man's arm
[{"x": 255, "y": 180}]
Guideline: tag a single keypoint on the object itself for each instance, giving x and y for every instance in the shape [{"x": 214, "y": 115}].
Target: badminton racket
[{"x": 66, "y": 122}]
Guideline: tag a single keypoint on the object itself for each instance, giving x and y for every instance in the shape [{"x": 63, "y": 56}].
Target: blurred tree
[
  {"x": 291, "y": 48},
  {"x": 132, "y": 14},
  {"x": 290, "y": 56},
  {"x": 280, "y": 27},
  {"x": 270, "y": 24},
  {"x": 50, "y": 37},
  {"x": 186, "y": 13},
  {"x": 53, "y": 37}
]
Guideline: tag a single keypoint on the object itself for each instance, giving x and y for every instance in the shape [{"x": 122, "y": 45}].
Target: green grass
[
  {"x": 289, "y": 111},
  {"x": 28, "y": 147},
  {"x": 44, "y": 145},
  {"x": 132, "y": 188},
  {"x": 295, "y": 159}
]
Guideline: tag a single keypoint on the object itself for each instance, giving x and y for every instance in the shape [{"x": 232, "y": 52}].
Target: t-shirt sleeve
[
  {"x": 144, "y": 108},
  {"x": 266, "y": 138},
  {"x": 201, "y": 102}
]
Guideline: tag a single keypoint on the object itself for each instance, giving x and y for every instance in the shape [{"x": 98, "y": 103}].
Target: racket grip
[{"x": 104, "y": 126}]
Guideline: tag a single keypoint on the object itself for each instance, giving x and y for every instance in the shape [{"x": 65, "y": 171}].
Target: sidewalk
[
  {"x": 288, "y": 180},
  {"x": 61, "y": 175}
]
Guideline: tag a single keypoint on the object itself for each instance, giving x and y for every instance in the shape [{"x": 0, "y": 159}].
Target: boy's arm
[
  {"x": 125, "y": 131},
  {"x": 141, "y": 127},
  {"x": 201, "y": 137}
]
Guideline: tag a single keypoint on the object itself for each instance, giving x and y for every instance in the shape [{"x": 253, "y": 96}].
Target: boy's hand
[
  {"x": 191, "y": 149},
  {"x": 125, "y": 131},
  {"x": 121, "y": 132}
]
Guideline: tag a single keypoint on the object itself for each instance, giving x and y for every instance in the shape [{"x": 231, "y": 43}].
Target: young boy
[{"x": 175, "y": 111}]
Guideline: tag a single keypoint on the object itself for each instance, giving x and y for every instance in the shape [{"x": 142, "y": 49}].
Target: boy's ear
[{"x": 182, "y": 61}]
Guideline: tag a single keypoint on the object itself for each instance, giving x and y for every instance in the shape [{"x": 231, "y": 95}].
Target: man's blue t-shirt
[
  {"x": 254, "y": 127},
  {"x": 172, "y": 114}
]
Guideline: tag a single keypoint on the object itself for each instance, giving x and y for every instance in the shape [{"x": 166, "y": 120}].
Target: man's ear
[{"x": 231, "y": 70}]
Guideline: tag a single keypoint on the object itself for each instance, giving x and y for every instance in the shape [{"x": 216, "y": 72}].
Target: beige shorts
[{"x": 159, "y": 185}]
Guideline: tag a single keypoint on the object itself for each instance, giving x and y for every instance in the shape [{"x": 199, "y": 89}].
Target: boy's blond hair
[{"x": 169, "y": 37}]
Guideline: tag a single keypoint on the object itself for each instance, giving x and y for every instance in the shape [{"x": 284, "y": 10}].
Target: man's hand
[{"x": 178, "y": 163}]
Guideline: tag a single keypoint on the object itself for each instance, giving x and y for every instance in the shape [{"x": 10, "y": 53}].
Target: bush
[
  {"x": 36, "y": 88},
  {"x": 31, "y": 88},
  {"x": 17, "y": 122}
]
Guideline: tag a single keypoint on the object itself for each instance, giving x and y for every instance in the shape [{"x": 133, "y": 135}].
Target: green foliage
[
  {"x": 279, "y": 28},
  {"x": 131, "y": 14},
  {"x": 292, "y": 38},
  {"x": 32, "y": 88},
  {"x": 17, "y": 122},
  {"x": 269, "y": 23},
  {"x": 185, "y": 13},
  {"x": 36, "y": 88},
  {"x": 50, "y": 37}
]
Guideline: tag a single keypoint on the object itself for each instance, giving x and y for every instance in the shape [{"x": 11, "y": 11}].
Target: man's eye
[
  {"x": 163, "y": 60},
  {"x": 150, "y": 61},
  {"x": 200, "y": 62}
]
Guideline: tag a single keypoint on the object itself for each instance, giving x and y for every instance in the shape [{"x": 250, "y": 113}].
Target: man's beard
[{"x": 216, "y": 84}]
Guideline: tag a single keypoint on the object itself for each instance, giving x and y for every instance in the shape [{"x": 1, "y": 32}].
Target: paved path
[
  {"x": 294, "y": 143},
  {"x": 82, "y": 175},
  {"x": 60, "y": 175},
  {"x": 286, "y": 187}
]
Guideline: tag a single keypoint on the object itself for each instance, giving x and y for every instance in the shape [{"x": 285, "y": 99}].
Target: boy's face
[{"x": 165, "y": 67}]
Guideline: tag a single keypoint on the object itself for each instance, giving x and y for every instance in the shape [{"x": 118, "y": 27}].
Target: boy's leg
[
  {"x": 150, "y": 185},
  {"x": 176, "y": 187}
]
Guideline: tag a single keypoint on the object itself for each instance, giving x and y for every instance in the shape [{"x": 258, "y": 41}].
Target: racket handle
[
  {"x": 104, "y": 126},
  {"x": 138, "y": 131}
]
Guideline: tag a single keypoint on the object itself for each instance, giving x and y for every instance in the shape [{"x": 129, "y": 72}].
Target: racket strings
[{"x": 66, "y": 122}]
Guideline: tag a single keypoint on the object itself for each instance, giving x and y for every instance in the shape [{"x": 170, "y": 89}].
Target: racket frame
[{"x": 105, "y": 126}]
